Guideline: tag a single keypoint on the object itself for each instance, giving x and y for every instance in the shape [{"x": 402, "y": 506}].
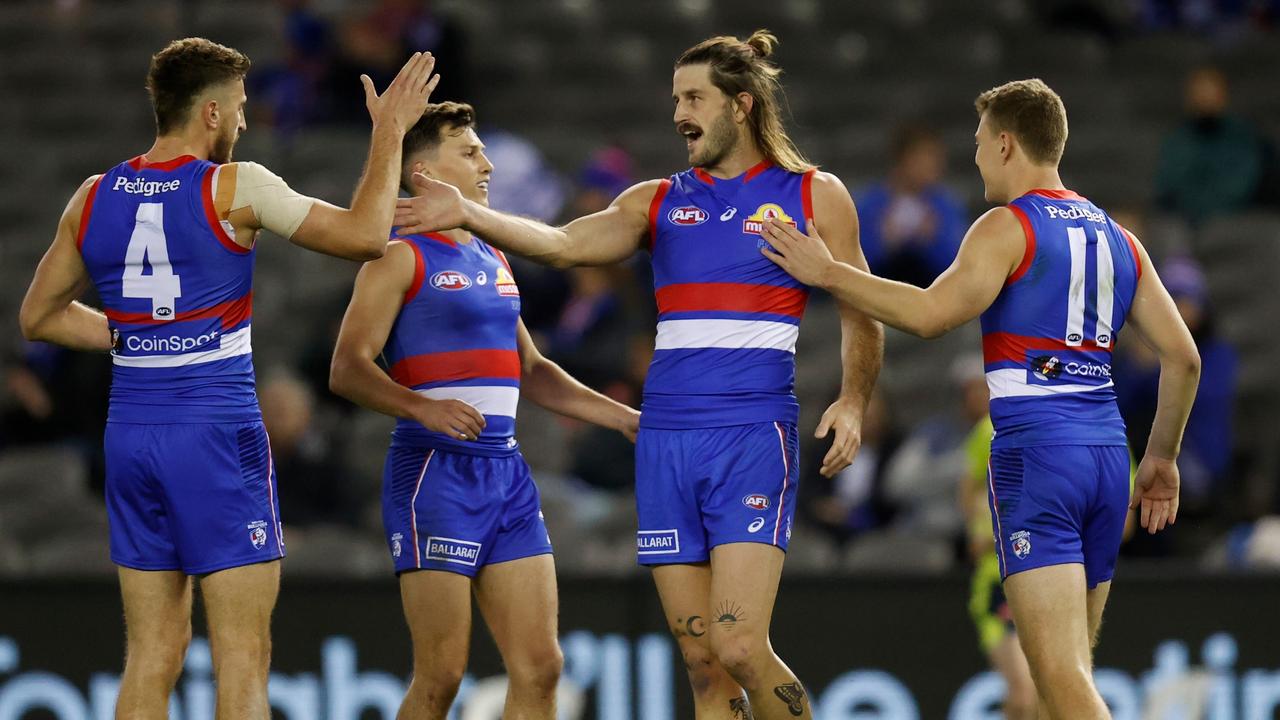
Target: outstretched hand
[
  {"x": 1155, "y": 490},
  {"x": 434, "y": 207},
  {"x": 401, "y": 105},
  {"x": 805, "y": 257}
]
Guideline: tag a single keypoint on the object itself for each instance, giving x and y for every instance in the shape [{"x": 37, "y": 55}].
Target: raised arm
[
  {"x": 861, "y": 337},
  {"x": 1156, "y": 320},
  {"x": 379, "y": 292},
  {"x": 263, "y": 200},
  {"x": 991, "y": 250},
  {"x": 50, "y": 312},
  {"x": 548, "y": 385},
  {"x": 602, "y": 238}
]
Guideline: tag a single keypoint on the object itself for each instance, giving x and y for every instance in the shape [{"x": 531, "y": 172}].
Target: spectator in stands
[
  {"x": 911, "y": 223},
  {"x": 853, "y": 501},
  {"x": 292, "y": 93},
  {"x": 316, "y": 489},
  {"x": 377, "y": 42},
  {"x": 923, "y": 479},
  {"x": 1207, "y": 445},
  {"x": 1213, "y": 163}
]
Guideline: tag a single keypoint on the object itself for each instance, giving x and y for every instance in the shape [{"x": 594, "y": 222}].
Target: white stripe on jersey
[
  {"x": 230, "y": 345},
  {"x": 1075, "y": 291},
  {"x": 1106, "y": 292},
  {"x": 489, "y": 400},
  {"x": 1012, "y": 382},
  {"x": 730, "y": 334}
]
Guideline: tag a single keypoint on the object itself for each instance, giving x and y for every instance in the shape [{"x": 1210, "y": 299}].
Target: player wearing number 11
[
  {"x": 1054, "y": 280},
  {"x": 167, "y": 239}
]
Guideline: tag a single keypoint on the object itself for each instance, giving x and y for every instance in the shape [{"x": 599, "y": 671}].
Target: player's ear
[
  {"x": 210, "y": 114},
  {"x": 1006, "y": 146},
  {"x": 742, "y": 106}
]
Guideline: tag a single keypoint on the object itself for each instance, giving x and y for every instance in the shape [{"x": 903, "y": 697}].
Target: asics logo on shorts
[{"x": 755, "y": 525}]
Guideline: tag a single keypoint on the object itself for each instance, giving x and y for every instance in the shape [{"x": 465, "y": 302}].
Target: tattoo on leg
[
  {"x": 739, "y": 709},
  {"x": 793, "y": 695},
  {"x": 729, "y": 614},
  {"x": 695, "y": 626}
]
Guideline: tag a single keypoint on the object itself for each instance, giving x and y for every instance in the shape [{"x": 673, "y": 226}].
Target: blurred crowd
[{"x": 906, "y": 483}]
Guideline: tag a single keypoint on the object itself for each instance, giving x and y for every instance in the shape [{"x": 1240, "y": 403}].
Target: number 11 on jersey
[{"x": 147, "y": 246}]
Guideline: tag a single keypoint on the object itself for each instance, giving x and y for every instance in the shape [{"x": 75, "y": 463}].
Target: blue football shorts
[
  {"x": 700, "y": 488},
  {"x": 195, "y": 497},
  {"x": 456, "y": 512},
  {"x": 1059, "y": 504}
]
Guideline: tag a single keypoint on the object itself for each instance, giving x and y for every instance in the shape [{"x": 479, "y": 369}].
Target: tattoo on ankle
[
  {"x": 739, "y": 709},
  {"x": 729, "y": 614},
  {"x": 793, "y": 695}
]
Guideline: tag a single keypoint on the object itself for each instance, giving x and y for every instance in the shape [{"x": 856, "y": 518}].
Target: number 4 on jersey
[{"x": 147, "y": 246}]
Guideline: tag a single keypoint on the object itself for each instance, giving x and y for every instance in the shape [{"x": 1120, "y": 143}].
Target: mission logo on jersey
[
  {"x": 506, "y": 284},
  {"x": 753, "y": 224}
]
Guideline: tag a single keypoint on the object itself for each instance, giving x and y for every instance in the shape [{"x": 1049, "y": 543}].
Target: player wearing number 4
[
  {"x": 167, "y": 239},
  {"x": 460, "y": 508},
  {"x": 1054, "y": 280}
]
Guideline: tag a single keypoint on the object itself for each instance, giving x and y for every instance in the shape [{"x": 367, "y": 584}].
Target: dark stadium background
[{"x": 573, "y": 98}]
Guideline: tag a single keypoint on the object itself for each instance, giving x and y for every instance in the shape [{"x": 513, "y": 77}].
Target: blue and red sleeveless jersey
[
  {"x": 1048, "y": 338},
  {"x": 177, "y": 292},
  {"x": 728, "y": 318},
  {"x": 455, "y": 338}
]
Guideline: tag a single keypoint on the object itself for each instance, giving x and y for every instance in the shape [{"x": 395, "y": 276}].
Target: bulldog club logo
[
  {"x": 258, "y": 534},
  {"x": 1046, "y": 367},
  {"x": 754, "y": 223},
  {"x": 450, "y": 281},
  {"x": 687, "y": 215},
  {"x": 1021, "y": 544}
]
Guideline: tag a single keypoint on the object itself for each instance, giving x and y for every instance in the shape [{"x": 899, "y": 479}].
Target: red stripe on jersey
[
  {"x": 704, "y": 176},
  {"x": 211, "y": 215},
  {"x": 999, "y": 346},
  {"x": 1133, "y": 248},
  {"x": 87, "y": 212},
  {"x": 1030, "y": 252},
  {"x": 419, "y": 272},
  {"x": 806, "y": 197},
  {"x": 654, "y": 206},
  {"x": 457, "y": 365},
  {"x": 757, "y": 169},
  {"x": 440, "y": 239},
  {"x": 141, "y": 163},
  {"x": 1056, "y": 194},
  {"x": 732, "y": 297},
  {"x": 232, "y": 312}
]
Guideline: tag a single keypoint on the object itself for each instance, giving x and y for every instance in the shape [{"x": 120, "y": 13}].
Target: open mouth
[
  {"x": 483, "y": 185},
  {"x": 690, "y": 132}
]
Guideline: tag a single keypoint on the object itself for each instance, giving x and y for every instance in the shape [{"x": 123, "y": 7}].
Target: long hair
[{"x": 743, "y": 66}]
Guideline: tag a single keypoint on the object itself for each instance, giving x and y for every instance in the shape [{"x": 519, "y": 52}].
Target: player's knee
[
  {"x": 701, "y": 665},
  {"x": 438, "y": 682},
  {"x": 159, "y": 653},
  {"x": 741, "y": 656},
  {"x": 537, "y": 672}
]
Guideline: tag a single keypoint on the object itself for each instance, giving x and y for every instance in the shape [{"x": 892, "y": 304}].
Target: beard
[
  {"x": 717, "y": 142},
  {"x": 222, "y": 148}
]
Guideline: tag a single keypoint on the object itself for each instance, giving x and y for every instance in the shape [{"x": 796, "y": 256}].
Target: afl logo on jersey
[
  {"x": 450, "y": 280},
  {"x": 753, "y": 224},
  {"x": 756, "y": 502},
  {"x": 687, "y": 215}
]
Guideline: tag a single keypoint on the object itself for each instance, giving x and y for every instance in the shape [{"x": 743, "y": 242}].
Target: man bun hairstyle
[
  {"x": 739, "y": 66},
  {"x": 1031, "y": 111},
  {"x": 438, "y": 120},
  {"x": 183, "y": 70}
]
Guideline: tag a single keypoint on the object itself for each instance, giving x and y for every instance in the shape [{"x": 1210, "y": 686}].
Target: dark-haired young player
[
  {"x": 1054, "y": 279},
  {"x": 459, "y": 504},
  {"x": 716, "y": 458},
  {"x": 167, "y": 238}
]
